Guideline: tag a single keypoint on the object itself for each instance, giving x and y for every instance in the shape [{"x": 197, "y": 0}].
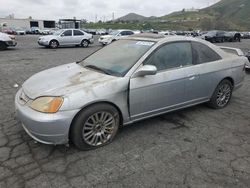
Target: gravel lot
[{"x": 196, "y": 147}]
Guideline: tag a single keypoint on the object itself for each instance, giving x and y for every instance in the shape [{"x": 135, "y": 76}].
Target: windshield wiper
[{"x": 98, "y": 69}]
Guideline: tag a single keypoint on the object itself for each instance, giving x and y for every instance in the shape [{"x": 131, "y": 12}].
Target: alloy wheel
[
  {"x": 85, "y": 43},
  {"x": 223, "y": 95},
  {"x": 99, "y": 128}
]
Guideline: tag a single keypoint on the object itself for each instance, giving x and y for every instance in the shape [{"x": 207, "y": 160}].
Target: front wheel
[
  {"x": 85, "y": 43},
  {"x": 53, "y": 44},
  {"x": 3, "y": 46},
  {"x": 222, "y": 95},
  {"x": 95, "y": 126}
]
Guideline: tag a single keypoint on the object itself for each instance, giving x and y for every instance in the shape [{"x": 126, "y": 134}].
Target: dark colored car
[
  {"x": 232, "y": 36},
  {"x": 215, "y": 36}
]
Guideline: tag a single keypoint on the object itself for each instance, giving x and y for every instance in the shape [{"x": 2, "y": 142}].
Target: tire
[
  {"x": 85, "y": 43},
  {"x": 88, "y": 129},
  {"x": 53, "y": 44},
  {"x": 3, "y": 46},
  {"x": 222, "y": 95}
]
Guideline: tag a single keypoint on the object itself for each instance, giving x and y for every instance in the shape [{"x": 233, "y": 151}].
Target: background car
[
  {"x": 66, "y": 37},
  {"x": 9, "y": 31},
  {"x": 89, "y": 100},
  {"x": 214, "y": 36},
  {"x": 35, "y": 30},
  {"x": 6, "y": 41},
  {"x": 114, "y": 35},
  {"x": 248, "y": 57},
  {"x": 232, "y": 36},
  {"x": 20, "y": 31},
  {"x": 45, "y": 32},
  {"x": 101, "y": 32}
]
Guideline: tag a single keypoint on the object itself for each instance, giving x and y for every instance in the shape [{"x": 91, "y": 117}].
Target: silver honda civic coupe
[{"x": 132, "y": 79}]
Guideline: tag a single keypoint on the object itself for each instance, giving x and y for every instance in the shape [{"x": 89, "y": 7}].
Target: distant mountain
[
  {"x": 231, "y": 14},
  {"x": 226, "y": 15},
  {"x": 236, "y": 12},
  {"x": 132, "y": 17}
]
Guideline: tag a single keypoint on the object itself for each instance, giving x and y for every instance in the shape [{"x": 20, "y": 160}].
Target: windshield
[
  {"x": 114, "y": 33},
  {"x": 58, "y": 32},
  {"x": 118, "y": 57}
]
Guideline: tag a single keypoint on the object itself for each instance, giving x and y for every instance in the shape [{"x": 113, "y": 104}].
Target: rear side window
[
  {"x": 130, "y": 33},
  {"x": 123, "y": 33},
  {"x": 203, "y": 54},
  {"x": 78, "y": 33}
]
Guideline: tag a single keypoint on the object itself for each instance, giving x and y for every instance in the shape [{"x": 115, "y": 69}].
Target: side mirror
[
  {"x": 62, "y": 35},
  {"x": 145, "y": 70},
  {"x": 119, "y": 35}
]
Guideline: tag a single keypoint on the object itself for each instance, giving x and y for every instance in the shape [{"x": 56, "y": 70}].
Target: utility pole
[{"x": 96, "y": 18}]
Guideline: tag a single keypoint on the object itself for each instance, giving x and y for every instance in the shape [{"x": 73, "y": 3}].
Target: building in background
[
  {"x": 71, "y": 23},
  {"x": 12, "y": 22}
]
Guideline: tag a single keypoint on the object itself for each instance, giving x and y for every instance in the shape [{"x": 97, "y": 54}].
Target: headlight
[{"x": 47, "y": 104}]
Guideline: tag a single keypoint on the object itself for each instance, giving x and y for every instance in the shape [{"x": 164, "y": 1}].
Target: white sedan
[
  {"x": 67, "y": 37},
  {"x": 6, "y": 41},
  {"x": 114, "y": 35}
]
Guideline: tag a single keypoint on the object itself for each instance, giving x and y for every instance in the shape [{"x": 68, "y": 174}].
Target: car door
[
  {"x": 66, "y": 37},
  {"x": 78, "y": 36},
  {"x": 154, "y": 94},
  {"x": 202, "y": 74}
]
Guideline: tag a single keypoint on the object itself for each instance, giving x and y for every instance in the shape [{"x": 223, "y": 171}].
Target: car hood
[
  {"x": 63, "y": 80},
  {"x": 4, "y": 37}
]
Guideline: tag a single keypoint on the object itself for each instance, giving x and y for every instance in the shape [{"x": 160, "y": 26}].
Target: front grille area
[
  {"x": 10, "y": 43},
  {"x": 23, "y": 98}
]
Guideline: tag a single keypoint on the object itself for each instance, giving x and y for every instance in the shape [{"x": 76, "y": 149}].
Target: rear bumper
[{"x": 91, "y": 41}]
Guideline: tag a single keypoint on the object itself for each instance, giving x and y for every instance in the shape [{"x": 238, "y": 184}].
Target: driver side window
[
  {"x": 172, "y": 55},
  {"x": 67, "y": 33}
]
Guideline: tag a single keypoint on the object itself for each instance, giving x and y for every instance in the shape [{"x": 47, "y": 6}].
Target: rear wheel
[
  {"x": 95, "y": 126},
  {"x": 53, "y": 44},
  {"x": 222, "y": 95},
  {"x": 85, "y": 43},
  {"x": 3, "y": 46}
]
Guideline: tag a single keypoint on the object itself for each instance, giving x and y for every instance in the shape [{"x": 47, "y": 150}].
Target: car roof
[
  {"x": 122, "y": 30},
  {"x": 160, "y": 37}
]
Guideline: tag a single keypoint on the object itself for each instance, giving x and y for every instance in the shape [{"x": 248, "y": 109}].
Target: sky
[{"x": 94, "y": 9}]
